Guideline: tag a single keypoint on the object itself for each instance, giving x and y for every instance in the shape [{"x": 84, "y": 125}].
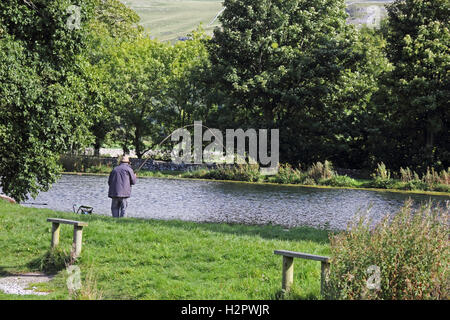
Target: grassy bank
[
  {"x": 150, "y": 259},
  {"x": 319, "y": 175}
]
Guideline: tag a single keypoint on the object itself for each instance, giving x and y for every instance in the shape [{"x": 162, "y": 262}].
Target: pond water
[{"x": 214, "y": 201}]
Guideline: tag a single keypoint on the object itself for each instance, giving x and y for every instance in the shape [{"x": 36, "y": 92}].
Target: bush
[
  {"x": 73, "y": 163},
  {"x": 410, "y": 250},
  {"x": 415, "y": 185},
  {"x": 442, "y": 188},
  {"x": 53, "y": 261},
  {"x": 101, "y": 168},
  {"x": 286, "y": 174},
  {"x": 245, "y": 172},
  {"x": 340, "y": 181},
  {"x": 319, "y": 171}
]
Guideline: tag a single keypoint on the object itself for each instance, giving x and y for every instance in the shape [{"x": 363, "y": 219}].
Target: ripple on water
[{"x": 213, "y": 201}]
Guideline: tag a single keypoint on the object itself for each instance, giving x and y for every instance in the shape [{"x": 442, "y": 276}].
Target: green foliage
[
  {"x": 411, "y": 250},
  {"x": 382, "y": 177},
  {"x": 294, "y": 65},
  {"x": 149, "y": 89},
  {"x": 245, "y": 172},
  {"x": 415, "y": 93},
  {"x": 53, "y": 261},
  {"x": 340, "y": 181},
  {"x": 41, "y": 95},
  {"x": 72, "y": 163},
  {"x": 288, "y": 175},
  {"x": 319, "y": 171}
]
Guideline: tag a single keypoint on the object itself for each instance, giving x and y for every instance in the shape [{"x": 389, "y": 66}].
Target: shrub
[
  {"x": 101, "y": 168},
  {"x": 406, "y": 175},
  {"x": 54, "y": 260},
  {"x": 319, "y": 171},
  {"x": 444, "y": 177},
  {"x": 73, "y": 163},
  {"x": 382, "y": 172},
  {"x": 245, "y": 172},
  {"x": 382, "y": 178},
  {"x": 415, "y": 185},
  {"x": 442, "y": 188},
  {"x": 287, "y": 174},
  {"x": 340, "y": 181},
  {"x": 431, "y": 178},
  {"x": 309, "y": 182},
  {"x": 410, "y": 250}
]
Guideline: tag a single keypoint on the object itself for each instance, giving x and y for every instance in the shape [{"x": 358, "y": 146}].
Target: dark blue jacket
[{"x": 120, "y": 181}]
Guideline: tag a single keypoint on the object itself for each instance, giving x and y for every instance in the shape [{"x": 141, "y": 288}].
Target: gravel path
[{"x": 20, "y": 284}]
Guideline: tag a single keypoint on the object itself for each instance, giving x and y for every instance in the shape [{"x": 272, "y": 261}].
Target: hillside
[{"x": 172, "y": 19}]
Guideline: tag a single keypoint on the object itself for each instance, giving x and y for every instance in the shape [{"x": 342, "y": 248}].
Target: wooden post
[
  {"x": 288, "y": 273},
  {"x": 55, "y": 234},
  {"x": 77, "y": 240},
  {"x": 325, "y": 271}
]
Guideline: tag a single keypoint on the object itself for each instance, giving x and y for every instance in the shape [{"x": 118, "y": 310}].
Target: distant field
[{"x": 171, "y": 19}]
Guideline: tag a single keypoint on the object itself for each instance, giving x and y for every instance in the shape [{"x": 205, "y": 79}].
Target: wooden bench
[
  {"x": 288, "y": 267},
  {"x": 6, "y": 198},
  {"x": 77, "y": 234}
]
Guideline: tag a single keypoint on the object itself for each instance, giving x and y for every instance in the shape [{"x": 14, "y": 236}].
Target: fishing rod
[
  {"x": 36, "y": 203},
  {"x": 164, "y": 140}
]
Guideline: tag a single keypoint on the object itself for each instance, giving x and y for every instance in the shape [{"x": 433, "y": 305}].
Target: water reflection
[{"x": 212, "y": 201}]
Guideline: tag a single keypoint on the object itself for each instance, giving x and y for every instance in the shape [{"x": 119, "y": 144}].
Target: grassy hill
[{"x": 171, "y": 19}]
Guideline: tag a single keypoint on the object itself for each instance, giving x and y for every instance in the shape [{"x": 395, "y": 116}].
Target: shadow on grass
[
  {"x": 270, "y": 232},
  {"x": 52, "y": 261},
  {"x": 5, "y": 273}
]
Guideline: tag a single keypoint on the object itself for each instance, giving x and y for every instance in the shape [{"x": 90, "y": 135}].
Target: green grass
[
  {"x": 170, "y": 19},
  {"x": 152, "y": 259}
]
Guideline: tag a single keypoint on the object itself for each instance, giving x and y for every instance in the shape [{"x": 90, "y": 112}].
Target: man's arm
[
  {"x": 109, "y": 179},
  {"x": 133, "y": 177}
]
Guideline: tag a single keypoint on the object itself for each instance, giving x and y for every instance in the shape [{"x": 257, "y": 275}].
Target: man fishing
[{"x": 120, "y": 181}]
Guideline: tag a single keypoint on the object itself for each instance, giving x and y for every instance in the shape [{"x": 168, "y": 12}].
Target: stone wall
[{"x": 74, "y": 163}]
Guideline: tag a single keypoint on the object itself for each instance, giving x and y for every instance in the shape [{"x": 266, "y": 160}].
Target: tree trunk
[
  {"x": 97, "y": 146},
  {"x": 137, "y": 144}
]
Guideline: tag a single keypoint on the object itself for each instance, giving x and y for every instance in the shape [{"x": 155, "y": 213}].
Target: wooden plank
[
  {"x": 64, "y": 221},
  {"x": 301, "y": 255},
  {"x": 10, "y": 200}
]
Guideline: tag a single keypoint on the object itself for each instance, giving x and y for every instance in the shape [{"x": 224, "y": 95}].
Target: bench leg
[
  {"x": 55, "y": 234},
  {"x": 325, "y": 270},
  {"x": 288, "y": 273},
  {"x": 77, "y": 240}
]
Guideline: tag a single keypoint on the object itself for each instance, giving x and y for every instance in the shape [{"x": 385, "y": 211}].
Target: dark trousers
[{"x": 118, "y": 207}]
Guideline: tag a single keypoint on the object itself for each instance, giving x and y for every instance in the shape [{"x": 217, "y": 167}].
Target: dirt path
[{"x": 20, "y": 284}]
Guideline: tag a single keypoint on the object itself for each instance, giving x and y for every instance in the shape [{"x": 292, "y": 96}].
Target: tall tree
[
  {"x": 418, "y": 88},
  {"x": 138, "y": 73},
  {"x": 112, "y": 24},
  {"x": 41, "y": 94},
  {"x": 286, "y": 64}
]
